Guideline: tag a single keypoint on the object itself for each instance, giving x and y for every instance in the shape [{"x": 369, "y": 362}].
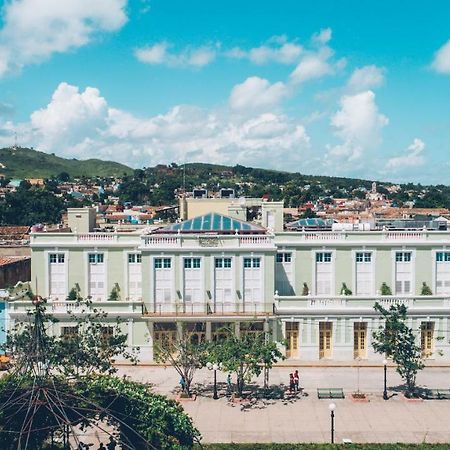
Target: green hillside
[{"x": 29, "y": 163}]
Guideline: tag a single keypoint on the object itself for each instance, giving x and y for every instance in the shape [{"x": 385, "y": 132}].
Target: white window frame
[
  {"x": 47, "y": 254},
  {"x": 394, "y": 251},
  {"x": 262, "y": 281},
  {"x": 201, "y": 269},
  {"x": 86, "y": 254},
  {"x": 314, "y": 252},
  {"x": 126, "y": 271},
  {"x": 373, "y": 252},
  {"x": 153, "y": 276}
]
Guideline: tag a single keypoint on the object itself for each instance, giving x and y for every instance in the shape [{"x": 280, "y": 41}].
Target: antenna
[{"x": 184, "y": 177}]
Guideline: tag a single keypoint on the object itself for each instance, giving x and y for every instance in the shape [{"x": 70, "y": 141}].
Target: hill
[{"x": 29, "y": 163}]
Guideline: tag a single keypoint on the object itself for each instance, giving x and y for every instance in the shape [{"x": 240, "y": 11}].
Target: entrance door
[
  {"x": 427, "y": 331},
  {"x": 359, "y": 340},
  {"x": 325, "y": 339},
  {"x": 292, "y": 339}
]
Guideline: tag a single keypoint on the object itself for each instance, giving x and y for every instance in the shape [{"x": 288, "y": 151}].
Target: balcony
[
  {"x": 208, "y": 309},
  {"x": 65, "y": 309},
  {"x": 232, "y": 241},
  {"x": 310, "y": 305}
]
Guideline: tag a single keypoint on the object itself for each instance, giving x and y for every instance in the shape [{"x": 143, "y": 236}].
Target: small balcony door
[
  {"x": 292, "y": 339},
  {"x": 427, "y": 335},
  {"x": 360, "y": 340},
  {"x": 325, "y": 339}
]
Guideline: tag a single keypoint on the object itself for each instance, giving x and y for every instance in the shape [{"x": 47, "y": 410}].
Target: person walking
[
  {"x": 229, "y": 385},
  {"x": 182, "y": 384},
  {"x": 296, "y": 381},
  {"x": 291, "y": 383}
]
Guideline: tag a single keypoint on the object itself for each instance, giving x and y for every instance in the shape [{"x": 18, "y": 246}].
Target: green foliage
[
  {"x": 114, "y": 295},
  {"x": 139, "y": 417},
  {"x": 91, "y": 347},
  {"x": 385, "y": 289},
  {"x": 425, "y": 289},
  {"x": 345, "y": 290},
  {"x": 28, "y": 163},
  {"x": 245, "y": 356},
  {"x": 74, "y": 293},
  {"x": 30, "y": 205},
  {"x": 397, "y": 341},
  {"x": 305, "y": 290}
]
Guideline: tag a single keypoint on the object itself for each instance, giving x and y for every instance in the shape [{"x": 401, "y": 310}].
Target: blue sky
[{"x": 351, "y": 88}]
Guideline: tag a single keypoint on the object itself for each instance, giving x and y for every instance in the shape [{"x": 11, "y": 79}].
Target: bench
[
  {"x": 330, "y": 393},
  {"x": 437, "y": 394}
]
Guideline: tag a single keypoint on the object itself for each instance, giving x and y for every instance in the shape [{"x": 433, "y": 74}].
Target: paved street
[{"x": 306, "y": 418}]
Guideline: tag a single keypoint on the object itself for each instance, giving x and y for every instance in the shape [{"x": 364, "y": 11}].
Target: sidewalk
[{"x": 307, "y": 419}]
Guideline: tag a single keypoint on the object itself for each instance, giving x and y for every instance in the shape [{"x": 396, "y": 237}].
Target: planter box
[
  {"x": 180, "y": 398},
  {"x": 359, "y": 397}
]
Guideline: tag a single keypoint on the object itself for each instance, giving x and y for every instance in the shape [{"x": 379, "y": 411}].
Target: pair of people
[{"x": 294, "y": 382}]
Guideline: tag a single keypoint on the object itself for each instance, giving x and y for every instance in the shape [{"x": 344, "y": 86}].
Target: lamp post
[
  {"x": 385, "y": 395},
  {"x": 332, "y": 407},
  {"x": 214, "y": 367}
]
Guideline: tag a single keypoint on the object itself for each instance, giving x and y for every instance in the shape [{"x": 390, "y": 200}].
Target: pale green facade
[{"x": 322, "y": 324}]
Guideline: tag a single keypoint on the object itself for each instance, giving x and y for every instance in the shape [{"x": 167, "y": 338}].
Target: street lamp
[
  {"x": 214, "y": 367},
  {"x": 385, "y": 395},
  {"x": 332, "y": 407}
]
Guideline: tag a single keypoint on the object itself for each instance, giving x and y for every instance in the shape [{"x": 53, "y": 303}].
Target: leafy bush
[{"x": 385, "y": 289}]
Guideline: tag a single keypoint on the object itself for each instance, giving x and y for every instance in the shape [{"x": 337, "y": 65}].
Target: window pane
[
  {"x": 399, "y": 257},
  {"x": 327, "y": 257},
  {"x": 131, "y": 258},
  {"x": 100, "y": 258},
  {"x": 407, "y": 257},
  {"x": 167, "y": 263},
  {"x": 287, "y": 257},
  {"x": 138, "y": 258},
  {"x": 247, "y": 262},
  {"x": 196, "y": 263},
  {"x": 227, "y": 262},
  {"x": 256, "y": 262},
  {"x": 92, "y": 258},
  {"x": 218, "y": 263},
  {"x": 187, "y": 263},
  {"x": 158, "y": 263},
  {"x": 279, "y": 257}
]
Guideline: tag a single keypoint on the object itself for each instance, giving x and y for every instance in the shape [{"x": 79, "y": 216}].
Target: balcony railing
[
  {"x": 202, "y": 308},
  {"x": 103, "y": 237},
  {"x": 292, "y": 304}
]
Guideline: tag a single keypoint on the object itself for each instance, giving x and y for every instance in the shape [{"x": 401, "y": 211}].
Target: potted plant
[
  {"x": 385, "y": 289},
  {"x": 425, "y": 289}
]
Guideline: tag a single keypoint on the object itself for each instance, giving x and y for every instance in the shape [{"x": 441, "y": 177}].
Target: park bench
[
  {"x": 330, "y": 393},
  {"x": 437, "y": 394}
]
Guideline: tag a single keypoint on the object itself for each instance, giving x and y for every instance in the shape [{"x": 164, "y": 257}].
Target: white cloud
[
  {"x": 69, "y": 116},
  {"x": 367, "y": 77},
  {"x": 80, "y": 123},
  {"x": 34, "y": 30},
  {"x": 322, "y": 37},
  {"x": 256, "y": 93},
  {"x": 160, "y": 53},
  {"x": 312, "y": 66},
  {"x": 358, "y": 123},
  {"x": 441, "y": 61},
  {"x": 277, "y": 49},
  {"x": 413, "y": 157}
]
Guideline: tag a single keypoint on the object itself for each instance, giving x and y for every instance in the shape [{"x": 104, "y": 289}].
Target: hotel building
[{"x": 216, "y": 271}]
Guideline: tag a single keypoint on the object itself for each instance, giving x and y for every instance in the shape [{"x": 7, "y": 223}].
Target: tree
[
  {"x": 185, "y": 355},
  {"x": 245, "y": 356},
  {"x": 397, "y": 341},
  {"x": 43, "y": 408}
]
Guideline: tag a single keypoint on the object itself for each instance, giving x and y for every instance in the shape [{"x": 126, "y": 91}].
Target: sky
[{"x": 357, "y": 88}]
